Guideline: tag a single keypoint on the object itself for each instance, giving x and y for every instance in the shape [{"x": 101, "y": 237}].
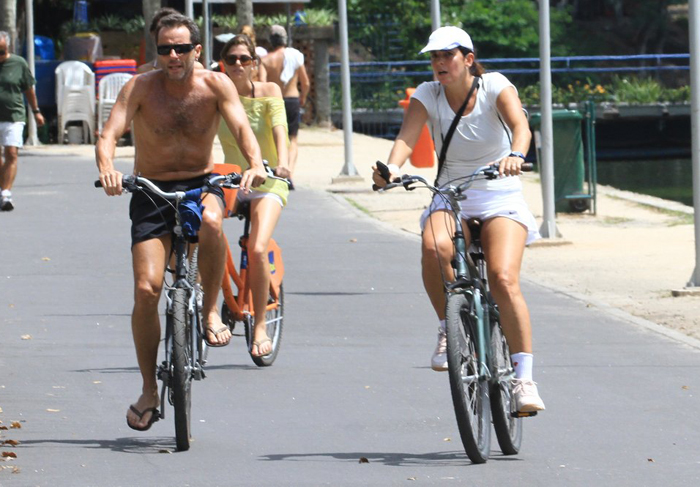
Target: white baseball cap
[{"x": 446, "y": 38}]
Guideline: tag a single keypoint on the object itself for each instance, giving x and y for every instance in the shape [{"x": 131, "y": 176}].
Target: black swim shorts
[
  {"x": 292, "y": 107},
  {"x": 152, "y": 216}
]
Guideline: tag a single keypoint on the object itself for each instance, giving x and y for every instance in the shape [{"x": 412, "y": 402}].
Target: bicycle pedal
[{"x": 523, "y": 414}]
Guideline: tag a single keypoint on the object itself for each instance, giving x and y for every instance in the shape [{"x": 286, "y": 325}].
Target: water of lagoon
[{"x": 670, "y": 179}]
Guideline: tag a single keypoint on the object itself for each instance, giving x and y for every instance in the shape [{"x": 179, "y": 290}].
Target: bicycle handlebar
[
  {"x": 489, "y": 172},
  {"x": 133, "y": 183}
]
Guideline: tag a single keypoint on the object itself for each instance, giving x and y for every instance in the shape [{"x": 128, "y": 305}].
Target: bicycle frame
[{"x": 468, "y": 280}]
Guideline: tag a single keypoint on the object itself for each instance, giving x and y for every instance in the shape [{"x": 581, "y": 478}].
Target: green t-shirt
[{"x": 15, "y": 79}]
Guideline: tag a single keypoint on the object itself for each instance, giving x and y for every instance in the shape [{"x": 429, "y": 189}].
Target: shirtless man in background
[
  {"x": 285, "y": 66},
  {"x": 175, "y": 111}
]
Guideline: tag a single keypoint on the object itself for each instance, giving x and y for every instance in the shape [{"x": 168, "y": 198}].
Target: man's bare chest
[{"x": 192, "y": 115}]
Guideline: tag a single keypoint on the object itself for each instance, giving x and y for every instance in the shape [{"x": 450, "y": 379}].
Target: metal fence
[{"x": 377, "y": 87}]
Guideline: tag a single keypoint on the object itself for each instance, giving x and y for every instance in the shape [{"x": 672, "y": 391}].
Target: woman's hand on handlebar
[
  {"x": 252, "y": 178},
  {"x": 383, "y": 174},
  {"x": 111, "y": 182},
  {"x": 283, "y": 172},
  {"x": 509, "y": 165}
]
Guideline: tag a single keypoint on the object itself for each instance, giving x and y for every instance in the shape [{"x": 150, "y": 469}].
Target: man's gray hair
[{"x": 6, "y": 36}]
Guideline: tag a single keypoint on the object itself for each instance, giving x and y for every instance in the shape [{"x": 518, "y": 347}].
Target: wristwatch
[
  {"x": 517, "y": 154},
  {"x": 36, "y": 111}
]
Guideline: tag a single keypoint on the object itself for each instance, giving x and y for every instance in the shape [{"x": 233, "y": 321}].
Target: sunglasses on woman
[
  {"x": 232, "y": 58},
  {"x": 178, "y": 48}
]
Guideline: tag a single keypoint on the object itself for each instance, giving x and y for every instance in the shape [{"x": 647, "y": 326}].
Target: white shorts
[
  {"x": 11, "y": 134},
  {"x": 256, "y": 195},
  {"x": 485, "y": 205}
]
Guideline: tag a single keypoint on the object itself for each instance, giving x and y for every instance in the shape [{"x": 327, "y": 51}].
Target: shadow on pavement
[{"x": 437, "y": 459}]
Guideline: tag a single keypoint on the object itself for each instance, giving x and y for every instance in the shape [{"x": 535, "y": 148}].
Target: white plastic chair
[
  {"x": 108, "y": 90},
  {"x": 75, "y": 98},
  {"x": 73, "y": 75},
  {"x": 77, "y": 106}
]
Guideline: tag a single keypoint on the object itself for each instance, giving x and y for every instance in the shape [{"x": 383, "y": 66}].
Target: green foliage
[
  {"x": 632, "y": 90},
  {"x": 314, "y": 18},
  {"x": 636, "y": 90},
  {"x": 508, "y": 28}
]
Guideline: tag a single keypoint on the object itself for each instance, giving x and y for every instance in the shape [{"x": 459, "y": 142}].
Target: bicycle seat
[
  {"x": 474, "y": 226},
  {"x": 241, "y": 210}
]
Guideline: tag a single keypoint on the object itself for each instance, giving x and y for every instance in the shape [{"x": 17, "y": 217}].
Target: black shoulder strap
[{"x": 450, "y": 132}]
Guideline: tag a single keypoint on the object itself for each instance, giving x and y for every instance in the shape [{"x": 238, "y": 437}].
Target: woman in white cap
[{"x": 491, "y": 128}]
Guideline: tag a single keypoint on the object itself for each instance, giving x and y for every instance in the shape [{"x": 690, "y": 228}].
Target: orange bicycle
[{"x": 238, "y": 298}]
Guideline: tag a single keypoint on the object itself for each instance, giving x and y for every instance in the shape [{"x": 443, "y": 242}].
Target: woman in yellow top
[{"x": 265, "y": 108}]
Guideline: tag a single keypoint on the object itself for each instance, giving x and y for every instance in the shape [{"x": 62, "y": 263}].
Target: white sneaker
[
  {"x": 439, "y": 361},
  {"x": 6, "y": 204},
  {"x": 526, "y": 396}
]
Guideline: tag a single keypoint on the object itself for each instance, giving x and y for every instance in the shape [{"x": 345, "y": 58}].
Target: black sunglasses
[
  {"x": 178, "y": 48},
  {"x": 2, "y": 53},
  {"x": 232, "y": 58}
]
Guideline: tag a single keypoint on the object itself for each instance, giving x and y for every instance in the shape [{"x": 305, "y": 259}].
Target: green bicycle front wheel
[{"x": 470, "y": 389}]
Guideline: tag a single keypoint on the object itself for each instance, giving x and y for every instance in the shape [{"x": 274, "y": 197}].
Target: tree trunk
[
  {"x": 244, "y": 12},
  {"x": 149, "y": 8},
  {"x": 8, "y": 21}
]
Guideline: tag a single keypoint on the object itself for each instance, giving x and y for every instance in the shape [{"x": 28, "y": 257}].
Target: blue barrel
[{"x": 80, "y": 12}]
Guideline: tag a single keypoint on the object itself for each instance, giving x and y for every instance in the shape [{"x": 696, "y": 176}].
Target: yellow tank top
[{"x": 264, "y": 113}]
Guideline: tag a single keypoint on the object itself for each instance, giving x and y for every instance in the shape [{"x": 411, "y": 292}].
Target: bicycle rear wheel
[
  {"x": 469, "y": 389},
  {"x": 509, "y": 430},
  {"x": 274, "y": 320},
  {"x": 181, "y": 355}
]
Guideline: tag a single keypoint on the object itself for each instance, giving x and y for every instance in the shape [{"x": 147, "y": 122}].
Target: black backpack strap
[{"x": 450, "y": 132}]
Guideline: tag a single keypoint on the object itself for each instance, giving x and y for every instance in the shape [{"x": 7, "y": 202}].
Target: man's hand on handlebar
[
  {"x": 111, "y": 182},
  {"x": 252, "y": 178}
]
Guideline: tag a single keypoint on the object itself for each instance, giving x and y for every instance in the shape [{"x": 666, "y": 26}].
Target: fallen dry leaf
[
  {"x": 15, "y": 425},
  {"x": 100, "y": 382},
  {"x": 26, "y": 337},
  {"x": 447, "y": 439},
  {"x": 685, "y": 388},
  {"x": 11, "y": 442},
  {"x": 53, "y": 410},
  {"x": 650, "y": 460},
  {"x": 353, "y": 240},
  {"x": 3, "y": 427},
  {"x": 15, "y": 469},
  {"x": 45, "y": 259},
  {"x": 164, "y": 451},
  {"x": 363, "y": 460},
  {"x": 10, "y": 305},
  {"x": 411, "y": 478},
  {"x": 0, "y": 410},
  {"x": 9, "y": 454}
]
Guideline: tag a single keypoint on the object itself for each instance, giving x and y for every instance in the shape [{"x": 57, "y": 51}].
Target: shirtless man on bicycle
[{"x": 175, "y": 111}]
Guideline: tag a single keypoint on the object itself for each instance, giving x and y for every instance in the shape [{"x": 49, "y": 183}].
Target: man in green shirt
[{"x": 15, "y": 80}]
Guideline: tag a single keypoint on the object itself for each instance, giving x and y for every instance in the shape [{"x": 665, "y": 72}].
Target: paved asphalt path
[{"x": 351, "y": 381}]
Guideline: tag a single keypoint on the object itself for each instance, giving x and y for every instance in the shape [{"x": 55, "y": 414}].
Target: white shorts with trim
[
  {"x": 11, "y": 134},
  {"x": 256, "y": 195},
  {"x": 485, "y": 205}
]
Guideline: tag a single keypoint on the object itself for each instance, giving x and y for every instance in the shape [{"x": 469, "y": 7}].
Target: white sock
[
  {"x": 522, "y": 363},
  {"x": 442, "y": 325},
  {"x": 6, "y": 193}
]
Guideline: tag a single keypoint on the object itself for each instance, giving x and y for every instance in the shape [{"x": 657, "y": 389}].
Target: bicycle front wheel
[
  {"x": 469, "y": 388},
  {"x": 181, "y": 380},
  {"x": 509, "y": 430},
  {"x": 274, "y": 321}
]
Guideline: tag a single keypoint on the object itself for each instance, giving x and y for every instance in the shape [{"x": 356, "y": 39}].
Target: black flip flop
[{"x": 155, "y": 416}]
